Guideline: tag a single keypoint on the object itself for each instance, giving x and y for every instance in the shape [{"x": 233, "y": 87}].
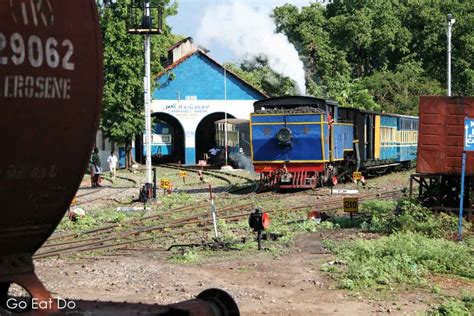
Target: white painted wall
[{"x": 190, "y": 112}]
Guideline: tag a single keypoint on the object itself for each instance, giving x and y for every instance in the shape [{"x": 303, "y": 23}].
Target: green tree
[
  {"x": 370, "y": 32},
  {"x": 381, "y": 54},
  {"x": 399, "y": 91},
  {"x": 326, "y": 68},
  {"x": 257, "y": 73},
  {"x": 122, "y": 112},
  {"x": 427, "y": 22}
]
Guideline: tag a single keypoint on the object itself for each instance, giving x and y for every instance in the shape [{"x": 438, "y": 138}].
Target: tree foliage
[
  {"x": 122, "y": 112},
  {"x": 380, "y": 54},
  {"x": 257, "y": 73}
]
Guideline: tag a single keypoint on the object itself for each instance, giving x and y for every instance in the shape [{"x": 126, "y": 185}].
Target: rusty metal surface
[
  {"x": 441, "y": 134},
  {"x": 51, "y": 83}
]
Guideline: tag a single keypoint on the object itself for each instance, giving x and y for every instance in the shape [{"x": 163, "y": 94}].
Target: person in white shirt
[{"x": 112, "y": 161}]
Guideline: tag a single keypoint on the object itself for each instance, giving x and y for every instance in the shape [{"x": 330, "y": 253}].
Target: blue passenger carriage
[{"x": 384, "y": 141}]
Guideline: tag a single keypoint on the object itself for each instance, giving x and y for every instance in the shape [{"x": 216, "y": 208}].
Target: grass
[
  {"x": 406, "y": 215},
  {"x": 415, "y": 245},
  {"x": 455, "y": 307},
  {"x": 188, "y": 257},
  {"x": 401, "y": 258},
  {"x": 95, "y": 218}
]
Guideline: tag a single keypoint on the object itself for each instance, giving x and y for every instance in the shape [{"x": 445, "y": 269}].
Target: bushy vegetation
[
  {"x": 401, "y": 258},
  {"x": 414, "y": 248},
  {"x": 407, "y": 216},
  {"x": 458, "y": 307}
]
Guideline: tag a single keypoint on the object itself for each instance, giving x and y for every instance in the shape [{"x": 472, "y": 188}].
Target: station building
[{"x": 191, "y": 94}]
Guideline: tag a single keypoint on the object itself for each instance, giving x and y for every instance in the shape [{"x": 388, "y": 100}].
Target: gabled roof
[
  {"x": 179, "y": 43},
  {"x": 203, "y": 54},
  {"x": 184, "y": 40}
]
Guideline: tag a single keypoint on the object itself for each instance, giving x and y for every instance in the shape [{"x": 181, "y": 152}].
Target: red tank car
[{"x": 50, "y": 95}]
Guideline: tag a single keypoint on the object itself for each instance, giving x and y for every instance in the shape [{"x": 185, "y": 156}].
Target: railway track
[
  {"x": 134, "y": 231},
  {"x": 89, "y": 195},
  {"x": 250, "y": 186}
]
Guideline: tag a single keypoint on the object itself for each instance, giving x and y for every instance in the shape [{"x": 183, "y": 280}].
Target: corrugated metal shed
[{"x": 441, "y": 134}]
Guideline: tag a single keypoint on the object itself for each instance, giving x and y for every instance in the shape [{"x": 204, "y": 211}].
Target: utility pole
[
  {"x": 147, "y": 92},
  {"x": 151, "y": 17},
  {"x": 450, "y": 21}
]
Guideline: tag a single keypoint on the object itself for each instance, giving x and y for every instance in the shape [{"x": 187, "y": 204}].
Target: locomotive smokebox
[{"x": 51, "y": 80}]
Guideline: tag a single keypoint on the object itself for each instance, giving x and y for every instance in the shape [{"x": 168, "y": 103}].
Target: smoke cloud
[
  {"x": 248, "y": 33},
  {"x": 243, "y": 162}
]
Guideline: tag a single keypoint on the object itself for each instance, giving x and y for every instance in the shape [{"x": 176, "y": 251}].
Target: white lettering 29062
[
  {"x": 17, "y": 46},
  {"x": 36, "y": 51}
]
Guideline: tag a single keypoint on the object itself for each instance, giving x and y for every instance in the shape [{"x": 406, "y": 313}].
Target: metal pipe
[
  {"x": 461, "y": 198},
  {"x": 154, "y": 183},
  {"x": 451, "y": 21},
  {"x": 225, "y": 115}
]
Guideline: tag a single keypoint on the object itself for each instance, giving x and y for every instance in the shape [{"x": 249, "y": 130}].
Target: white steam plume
[{"x": 248, "y": 33}]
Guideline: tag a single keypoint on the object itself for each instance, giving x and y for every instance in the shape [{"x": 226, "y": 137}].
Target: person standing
[
  {"x": 112, "y": 161},
  {"x": 96, "y": 170},
  {"x": 213, "y": 155}
]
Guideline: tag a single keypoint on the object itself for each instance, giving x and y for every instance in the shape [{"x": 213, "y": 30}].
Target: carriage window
[{"x": 166, "y": 139}]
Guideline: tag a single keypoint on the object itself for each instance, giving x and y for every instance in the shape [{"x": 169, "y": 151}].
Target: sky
[{"x": 191, "y": 15}]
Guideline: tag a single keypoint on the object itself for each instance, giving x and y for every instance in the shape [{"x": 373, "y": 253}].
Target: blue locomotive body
[
  {"x": 294, "y": 138},
  {"x": 296, "y": 143},
  {"x": 307, "y": 131}
]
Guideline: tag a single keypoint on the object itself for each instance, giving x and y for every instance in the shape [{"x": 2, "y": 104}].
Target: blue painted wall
[
  {"x": 190, "y": 155},
  {"x": 390, "y": 152},
  {"x": 198, "y": 76},
  {"x": 121, "y": 156}
]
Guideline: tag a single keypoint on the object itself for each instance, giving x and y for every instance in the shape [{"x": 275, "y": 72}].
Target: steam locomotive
[{"x": 303, "y": 142}]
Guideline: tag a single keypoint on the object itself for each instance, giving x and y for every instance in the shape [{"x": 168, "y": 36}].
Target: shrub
[
  {"x": 379, "y": 216},
  {"x": 407, "y": 216},
  {"x": 464, "y": 306},
  {"x": 401, "y": 258}
]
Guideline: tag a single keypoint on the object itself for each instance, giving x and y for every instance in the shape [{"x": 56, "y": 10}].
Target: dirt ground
[
  {"x": 288, "y": 284},
  {"x": 262, "y": 282}
]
